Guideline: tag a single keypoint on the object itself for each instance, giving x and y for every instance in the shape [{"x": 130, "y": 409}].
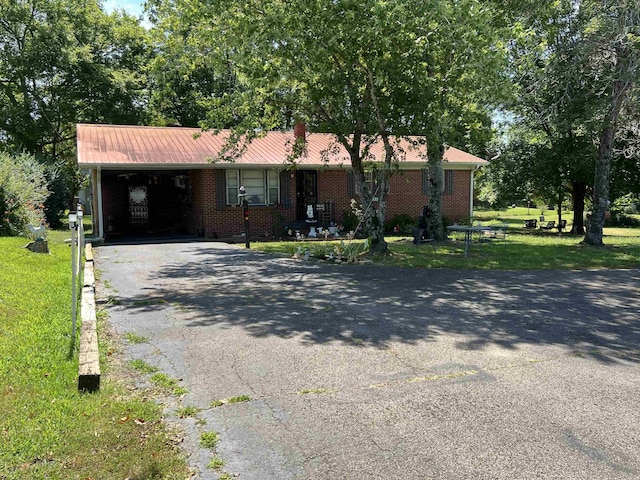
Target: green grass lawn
[
  {"x": 48, "y": 430},
  {"x": 520, "y": 251}
]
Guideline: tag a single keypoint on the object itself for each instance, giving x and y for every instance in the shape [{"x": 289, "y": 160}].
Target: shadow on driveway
[{"x": 593, "y": 313}]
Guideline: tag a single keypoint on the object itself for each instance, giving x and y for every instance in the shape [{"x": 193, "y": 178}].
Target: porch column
[
  {"x": 471, "y": 192},
  {"x": 97, "y": 185}
]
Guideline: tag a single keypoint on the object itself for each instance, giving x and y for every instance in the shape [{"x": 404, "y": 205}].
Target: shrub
[
  {"x": 618, "y": 219},
  {"x": 23, "y": 191},
  {"x": 349, "y": 220},
  {"x": 627, "y": 204},
  {"x": 58, "y": 200},
  {"x": 405, "y": 221}
]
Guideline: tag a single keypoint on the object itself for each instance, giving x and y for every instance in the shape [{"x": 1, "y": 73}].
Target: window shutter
[
  {"x": 351, "y": 185},
  {"x": 221, "y": 189},
  {"x": 285, "y": 189}
]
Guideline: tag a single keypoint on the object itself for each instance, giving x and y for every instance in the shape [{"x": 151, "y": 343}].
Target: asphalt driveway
[{"x": 363, "y": 372}]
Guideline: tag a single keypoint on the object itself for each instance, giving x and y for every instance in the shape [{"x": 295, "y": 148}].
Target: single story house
[{"x": 155, "y": 180}]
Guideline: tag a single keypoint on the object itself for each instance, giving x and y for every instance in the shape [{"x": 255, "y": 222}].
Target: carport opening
[{"x": 146, "y": 203}]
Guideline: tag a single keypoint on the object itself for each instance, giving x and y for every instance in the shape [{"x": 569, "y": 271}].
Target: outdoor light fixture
[
  {"x": 243, "y": 192},
  {"x": 73, "y": 221}
]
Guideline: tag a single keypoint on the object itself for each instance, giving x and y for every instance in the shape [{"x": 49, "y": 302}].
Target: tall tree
[
  {"x": 612, "y": 43},
  {"x": 64, "y": 62},
  {"x": 553, "y": 106},
  {"x": 365, "y": 71},
  {"x": 573, "y": 64},
  {"x": 188, "y": 72}
]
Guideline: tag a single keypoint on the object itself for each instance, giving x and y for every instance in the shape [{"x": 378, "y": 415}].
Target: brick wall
[
  {"x": 456, "y": 207},
  {"x": 332, "y": 187},
  {"x": 223, "y": 221},
  {"x": 405, "y": 193},
  {"x": 115, "y": 205},
  {"x": 220, "y": 220}
]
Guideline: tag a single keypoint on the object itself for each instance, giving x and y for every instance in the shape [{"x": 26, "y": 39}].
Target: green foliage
[
  {"x": 349, "y": 220},
  {"x": 58, "y": 200},
  {"x": 23, "y": 192},
  {"x": 49, "y": 430},
  {"x": 209, "y": 439},
  {"x": 168, "y": 384},
  {"x": 367, "y": 72},
  {"x": 134, "y": 338},
  {"x": 187, "y": 411},
  {"x": 628, "y": 204},
  {"x": 185, "y": 79},
  {"x": 520, "y": 251},
  {"x": 65, "y": 62},
  {"x": 404, "y": 221},
  {"x": 618, "y": 219},
  {"x": 622, "y": 212},
  {"x": 238, "y": 399},
  {"x": 142, "y": 366},
  {"x": 216, "y": 463}
]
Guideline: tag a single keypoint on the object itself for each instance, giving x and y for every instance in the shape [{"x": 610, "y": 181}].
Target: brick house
[{"x": 156, "y": 180}]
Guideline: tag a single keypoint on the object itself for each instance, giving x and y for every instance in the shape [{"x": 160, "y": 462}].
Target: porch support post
[
  {"x": 98, "y": 196},
  {"x": 471, "y": 192}
]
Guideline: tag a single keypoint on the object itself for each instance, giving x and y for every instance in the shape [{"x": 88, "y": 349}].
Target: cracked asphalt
[{"x": 365, "y": 372}]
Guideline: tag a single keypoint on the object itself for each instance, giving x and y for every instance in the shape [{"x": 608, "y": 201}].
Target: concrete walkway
[{"x": 361, "y": 372}]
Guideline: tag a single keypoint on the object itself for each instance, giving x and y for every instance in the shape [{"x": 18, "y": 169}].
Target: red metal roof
[{"x": 134, "y": 146}]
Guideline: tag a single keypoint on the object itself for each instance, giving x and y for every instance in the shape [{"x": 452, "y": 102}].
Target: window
[
  {"x": 262, "y": 186},
  {"x": 370, "y": 180},
  {"x": 447, "y": 188},
  {"x": 372, "y": 185},
  {"x": 447, "y": 182}
]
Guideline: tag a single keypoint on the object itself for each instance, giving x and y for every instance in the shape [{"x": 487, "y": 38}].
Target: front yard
[
  {"x": 519, "y": 251},
  {"x": 48, "y": 430}
]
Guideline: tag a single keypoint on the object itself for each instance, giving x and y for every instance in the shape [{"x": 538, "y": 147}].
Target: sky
[{"x": 134, "y": 7}]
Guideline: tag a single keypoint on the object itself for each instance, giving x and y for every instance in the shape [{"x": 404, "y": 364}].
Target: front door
[
  {"x": 306, "y": 195},
  {"x": 138, "y": 208}
]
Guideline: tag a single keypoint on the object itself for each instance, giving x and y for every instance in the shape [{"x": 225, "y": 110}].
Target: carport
[{"x": 139, "y": 202}]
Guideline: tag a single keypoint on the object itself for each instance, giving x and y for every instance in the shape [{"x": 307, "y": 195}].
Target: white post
[
  {"x": 80, "y": 237},
  {"x": 98, "y": 187},
  {"x": 471, "y": 193},
  {"x": 73, "y": 222}
]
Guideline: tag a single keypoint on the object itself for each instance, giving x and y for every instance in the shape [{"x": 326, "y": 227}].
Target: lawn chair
[
  {"x": 562, "y": 226},
  {"x": 551, "y": 224}
]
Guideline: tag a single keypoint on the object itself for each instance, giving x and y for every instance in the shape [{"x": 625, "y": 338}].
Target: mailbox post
[{"x": 242, "y": 196}]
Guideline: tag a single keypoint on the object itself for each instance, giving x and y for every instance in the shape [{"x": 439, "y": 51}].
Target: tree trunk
[
  {"x": 560, "y": 199},
  {"x": 378, "y": 213},
  {"x": 602, "y": 181},
  {"x": 373, "y": 212},
  {"x": 578, "y": 192},
  {"x": 435, "y": 226}
]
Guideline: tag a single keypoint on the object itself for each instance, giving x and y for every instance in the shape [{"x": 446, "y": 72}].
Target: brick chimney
[
  {"x": 300, "y": 132},
  {"x": 300, "y": 135}
]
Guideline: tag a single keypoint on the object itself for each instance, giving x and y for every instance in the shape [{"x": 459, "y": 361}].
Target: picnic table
[
  {"x": 489, "y": 231},
  {"x": 467, "y": 230}
]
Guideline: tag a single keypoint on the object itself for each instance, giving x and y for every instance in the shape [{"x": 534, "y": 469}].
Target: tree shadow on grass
[{"x": 593, "y": 313}]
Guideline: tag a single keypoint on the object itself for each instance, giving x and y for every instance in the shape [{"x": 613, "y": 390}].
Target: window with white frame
[
  {"x": 262, "y": 186},
  {"x": 371, "y": 180}
]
